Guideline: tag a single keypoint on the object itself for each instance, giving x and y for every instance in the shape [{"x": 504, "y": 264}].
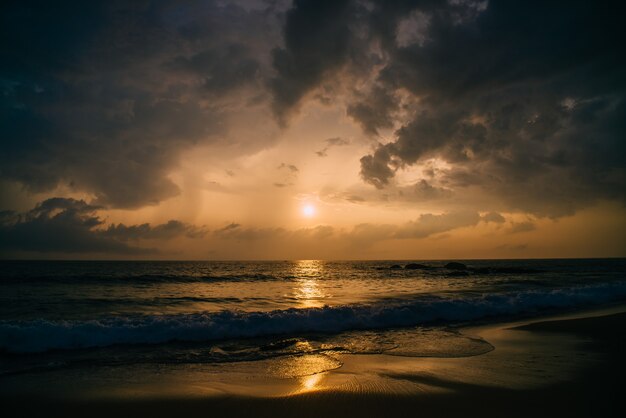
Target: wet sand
[{"x": 565, "y": 367}]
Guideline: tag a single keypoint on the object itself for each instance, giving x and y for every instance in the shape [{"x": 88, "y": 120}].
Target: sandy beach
[{"x": 570, "y": 366}]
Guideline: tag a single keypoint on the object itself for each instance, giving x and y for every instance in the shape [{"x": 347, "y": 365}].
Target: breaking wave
[{"x": 42, "y": 335}]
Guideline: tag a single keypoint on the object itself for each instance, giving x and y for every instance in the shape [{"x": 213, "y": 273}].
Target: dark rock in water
[
  {"x": 456, "y": 266},
  {"x": 395, "y": 267},
  {"x": 416, "y": 266}
]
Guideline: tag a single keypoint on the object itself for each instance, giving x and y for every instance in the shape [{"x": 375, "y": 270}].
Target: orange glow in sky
[{"x": 365, "y": 141}]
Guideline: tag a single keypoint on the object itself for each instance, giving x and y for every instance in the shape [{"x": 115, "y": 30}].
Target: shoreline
[{"x": 567, "y": 364}]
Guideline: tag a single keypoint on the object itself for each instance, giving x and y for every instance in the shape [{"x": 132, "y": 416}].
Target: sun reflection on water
[{"x": 307, "y": 290}]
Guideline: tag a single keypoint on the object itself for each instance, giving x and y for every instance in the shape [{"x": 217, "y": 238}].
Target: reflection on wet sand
[
  {"x": 311, "y": 383},
  {"x": 303, "y": 366}
]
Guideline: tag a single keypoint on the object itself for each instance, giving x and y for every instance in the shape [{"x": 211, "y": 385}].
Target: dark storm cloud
[
  {"x": 378, "y": 168},
  {"x": 60, "y": 225},
  {"x": 526, "y": 101},
  {"x": 105, "y": 96},
  {"x": 222, "y": 68},
  {"x": 316, "y": 39},
  {"x": 375, "y": 110}
]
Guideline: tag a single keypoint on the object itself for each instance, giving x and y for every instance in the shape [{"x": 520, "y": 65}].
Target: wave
[
  {"x": 140, "y": 278},
  {"x": 43, "y": 335}
]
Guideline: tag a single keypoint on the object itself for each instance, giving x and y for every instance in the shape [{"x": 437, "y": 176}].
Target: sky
[{"x": 312, "y": 129}]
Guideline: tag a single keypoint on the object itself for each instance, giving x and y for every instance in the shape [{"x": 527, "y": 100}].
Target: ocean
[{"x": 57, "y": 315}]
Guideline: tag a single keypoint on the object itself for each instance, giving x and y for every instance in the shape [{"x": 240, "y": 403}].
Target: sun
[{"x": 308, "y": 211}]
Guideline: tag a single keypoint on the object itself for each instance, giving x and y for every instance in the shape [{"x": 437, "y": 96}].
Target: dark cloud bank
[
  {"x": 524, "y": 100},
  {"x": 72, "y": 226}
]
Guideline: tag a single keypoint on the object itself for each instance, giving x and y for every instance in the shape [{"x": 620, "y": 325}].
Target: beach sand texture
[{"x": 564, "y": 367}]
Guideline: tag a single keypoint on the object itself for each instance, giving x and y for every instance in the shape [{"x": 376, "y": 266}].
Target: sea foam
[{"x": 42, "y": 335}]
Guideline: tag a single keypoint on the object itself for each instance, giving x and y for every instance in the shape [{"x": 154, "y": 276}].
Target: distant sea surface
[{"x": 56, "y": 314}]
